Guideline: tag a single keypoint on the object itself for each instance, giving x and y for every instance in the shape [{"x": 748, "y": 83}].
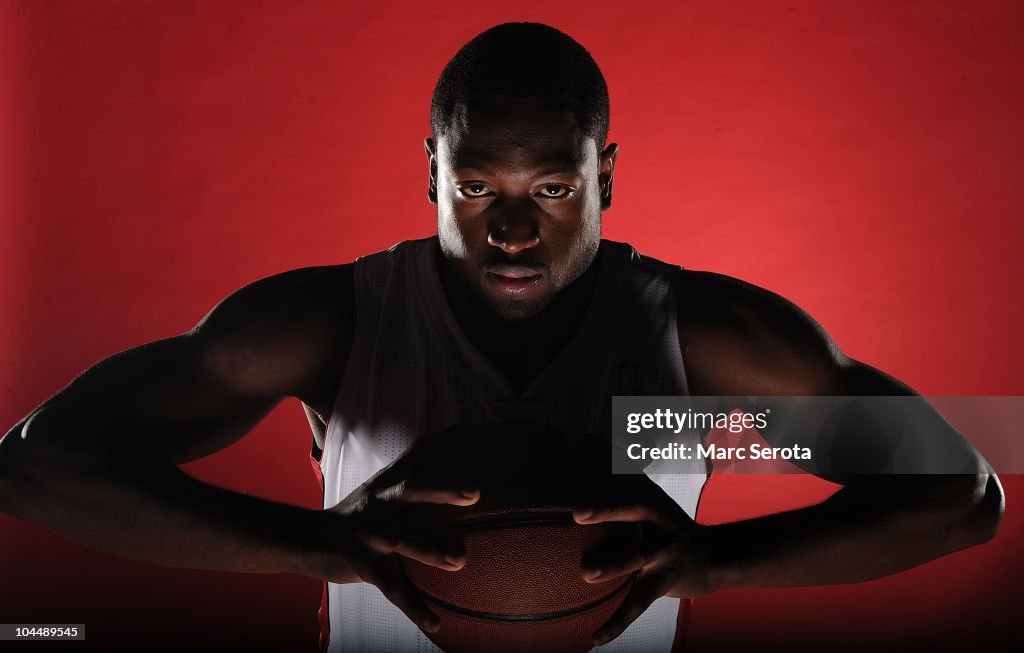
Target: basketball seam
[
  {"x": 544, "y": 616},
  {"x": 516, "y": 519}
]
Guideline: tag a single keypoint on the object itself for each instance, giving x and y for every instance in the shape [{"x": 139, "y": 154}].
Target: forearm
[
  {"x": 864, "y": 531},
  {"x": 152, "y": 511}
]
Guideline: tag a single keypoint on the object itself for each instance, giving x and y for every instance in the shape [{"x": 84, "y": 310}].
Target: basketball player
[{"x": 516, "y": 310}]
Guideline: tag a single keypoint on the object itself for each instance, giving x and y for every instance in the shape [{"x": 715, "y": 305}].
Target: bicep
[
  {"x": 857, "y": 420},
  {"x": 190, "y": 395},
  {"x": 758, "y": 344},
  {"x": 163, "y": 400}
]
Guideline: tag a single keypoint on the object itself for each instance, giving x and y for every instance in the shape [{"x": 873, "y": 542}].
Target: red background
[{"x": 860, "y": 158}]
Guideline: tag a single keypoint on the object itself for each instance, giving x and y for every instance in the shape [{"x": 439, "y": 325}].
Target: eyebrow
[
  {"x": 554, "y": 161},
  {"x": 554, "y": 167}
]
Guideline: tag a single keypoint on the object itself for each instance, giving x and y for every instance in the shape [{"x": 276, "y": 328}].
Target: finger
[
  {"x": 646, "y": 590},
  {"x": 454, "y": 496},
  {"x": 633, "y": 512},
  {"x": 441, "y": 555},
  {"x": 390, "y": 580},
  {"x": 600, "y": 571},
  {"x": 410, "y": 491},
  {"x": 614, "y": 560}
]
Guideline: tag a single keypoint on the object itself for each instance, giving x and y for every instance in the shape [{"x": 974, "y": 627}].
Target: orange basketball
[{"x": 521, "y": 588}]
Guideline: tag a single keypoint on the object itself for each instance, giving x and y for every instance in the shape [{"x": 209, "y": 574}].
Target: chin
[{"x": 517, "y": 310}]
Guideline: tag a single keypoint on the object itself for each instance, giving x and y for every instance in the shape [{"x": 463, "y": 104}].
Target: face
[{"x": 519, "y": 192}]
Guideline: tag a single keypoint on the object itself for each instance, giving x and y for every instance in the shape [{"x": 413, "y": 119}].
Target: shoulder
[
  {"x": 282, "y": 300},
  {"x": 294, "y": 328},
  {"x": 740, "y": 339}
]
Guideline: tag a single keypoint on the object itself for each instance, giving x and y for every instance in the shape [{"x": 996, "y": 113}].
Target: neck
[{"x": 520, "y": 348}]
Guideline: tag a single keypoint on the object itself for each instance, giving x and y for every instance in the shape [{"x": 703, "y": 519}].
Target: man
[{"x": 517, "y": 310}]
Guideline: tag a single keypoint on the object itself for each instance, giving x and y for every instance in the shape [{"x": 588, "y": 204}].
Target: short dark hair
[{"x": 524, "y": 61}]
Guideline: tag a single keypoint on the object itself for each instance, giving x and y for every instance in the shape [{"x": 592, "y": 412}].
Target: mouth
[{"x": 514, "y": 280}]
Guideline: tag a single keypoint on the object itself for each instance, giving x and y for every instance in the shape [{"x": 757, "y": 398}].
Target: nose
[{"x": 513, "y": 238}]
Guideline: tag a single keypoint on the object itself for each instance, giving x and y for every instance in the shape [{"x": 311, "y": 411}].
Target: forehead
[{"x": 515, "y": 133}]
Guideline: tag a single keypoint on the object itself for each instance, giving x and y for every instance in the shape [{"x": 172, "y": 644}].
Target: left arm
[
  {"x": 746, "y": 341},
  {"x": 874, "y": 525}
]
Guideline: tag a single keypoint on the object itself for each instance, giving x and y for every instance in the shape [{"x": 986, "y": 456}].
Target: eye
[
  {"x": 555, "y": 191},
  {"x": 474, "y": 189}
]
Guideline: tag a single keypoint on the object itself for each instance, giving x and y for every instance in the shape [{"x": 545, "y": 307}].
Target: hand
[
  {"x": 670, "y": 557},
  {"x": 389, "y": 516}
]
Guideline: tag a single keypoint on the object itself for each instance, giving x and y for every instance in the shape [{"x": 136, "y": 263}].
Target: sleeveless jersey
[{"x": 412, "y": 371}]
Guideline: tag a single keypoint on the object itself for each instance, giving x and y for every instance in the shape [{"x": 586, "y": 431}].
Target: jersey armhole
[{"x": 350, "y": 297}]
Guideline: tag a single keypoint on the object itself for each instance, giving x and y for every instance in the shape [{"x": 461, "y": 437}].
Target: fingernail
[
  {"x": 469, "y": 492},
  {"x": 591, "y": 574},
  {"x": 455, "y": 561},
  {"x": 583, "y": 514},
  {"x": 431, "y": 624}
]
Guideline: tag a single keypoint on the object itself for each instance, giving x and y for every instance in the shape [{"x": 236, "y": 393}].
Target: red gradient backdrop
[{"x": 860, "y": 158}]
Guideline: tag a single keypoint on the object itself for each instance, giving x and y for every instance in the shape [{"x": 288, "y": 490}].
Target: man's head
[{"x": 518, "y": 165}]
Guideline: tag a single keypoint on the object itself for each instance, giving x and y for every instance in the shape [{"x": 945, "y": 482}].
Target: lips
[
  {"x": 518, "y": 271},
  {"x": 514, "y": 279}
]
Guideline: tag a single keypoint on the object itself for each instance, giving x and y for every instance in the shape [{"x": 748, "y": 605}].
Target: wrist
[
  {"x": 722, "y": 572},
  {"x": 303, "y": 549},
  {"x": 321, "y": 548}
]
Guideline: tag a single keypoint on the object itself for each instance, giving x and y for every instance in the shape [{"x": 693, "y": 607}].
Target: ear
[
  {"x": 431, "y": 149},
  {"x": 607, "y": 174}
]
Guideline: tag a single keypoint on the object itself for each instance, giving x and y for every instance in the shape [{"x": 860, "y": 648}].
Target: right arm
[{"x": 98, "y": 461}]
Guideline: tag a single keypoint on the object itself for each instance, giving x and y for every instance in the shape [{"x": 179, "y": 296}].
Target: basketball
[{"x": 521, "y": 588}]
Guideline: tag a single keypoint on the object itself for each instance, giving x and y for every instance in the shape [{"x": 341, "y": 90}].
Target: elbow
[
  {"x": 990, "y": 509},
  {"x": 12, "y": 466},
  {"x": 25, "y": 464},
  {"x": 980, "y": 512}
]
